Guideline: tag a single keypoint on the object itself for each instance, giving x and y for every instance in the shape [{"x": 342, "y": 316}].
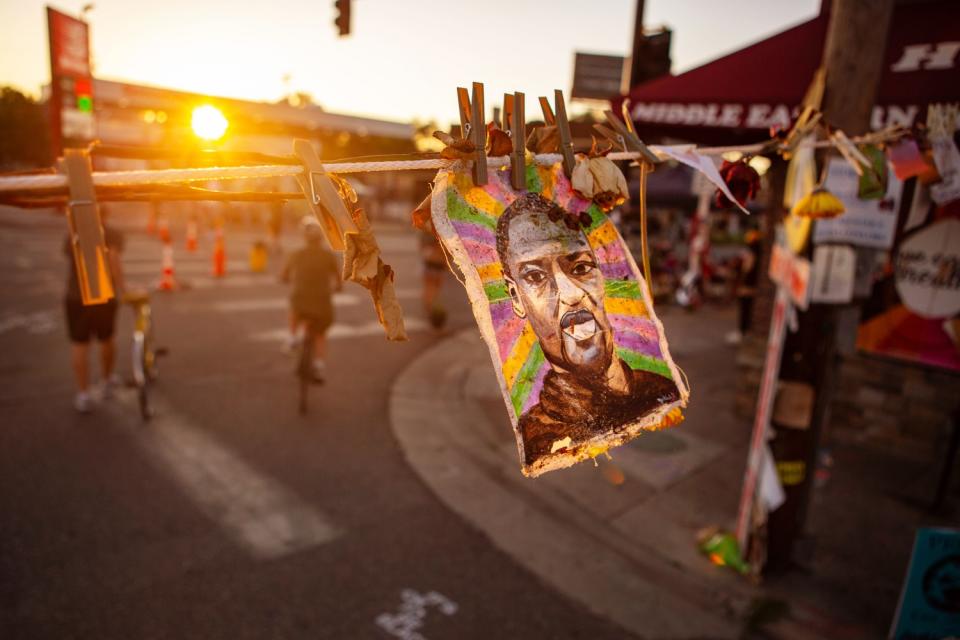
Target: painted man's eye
[
  {"x": 534, "y": 277},
  {"x": 583, "y": 268}
]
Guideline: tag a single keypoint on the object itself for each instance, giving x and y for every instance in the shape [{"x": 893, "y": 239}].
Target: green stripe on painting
[
  {"x": 533, "y": 179},
  {"x": 525, "y": 379},
  {"x": 457, "y": 209},
  {"x": 640, "y": 362},
  {"x": 596, "y": 217},
  {"x": 496, "y": 291},
  {"x": 622, "y": 289}
]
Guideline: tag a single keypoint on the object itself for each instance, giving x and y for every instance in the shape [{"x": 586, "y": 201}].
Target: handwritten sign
[
  {"x": 866, "y": 223},
  {"x": 928, "y": 270}
]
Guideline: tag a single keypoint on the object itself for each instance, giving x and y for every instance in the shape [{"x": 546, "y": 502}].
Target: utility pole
[
  {"x": 634, "y": 75},
  {"x": 853, "y": 60}
]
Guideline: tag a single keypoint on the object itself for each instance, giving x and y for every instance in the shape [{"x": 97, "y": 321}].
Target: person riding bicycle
[{"x": 315, "y": 274}]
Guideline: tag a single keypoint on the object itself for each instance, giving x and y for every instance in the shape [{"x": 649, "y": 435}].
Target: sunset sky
[{"x": 403, "y": 59}]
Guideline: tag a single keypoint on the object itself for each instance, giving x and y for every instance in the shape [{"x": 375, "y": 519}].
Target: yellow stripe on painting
[
  {"x": 483, "y": 202},
  {"x": 626, "y": 307},
  {"x": 547, "y": 180},
  {"x": 519, "y": 354},
  {"x": 604, "y": 234},
  {"x": 492, "y": 271}
]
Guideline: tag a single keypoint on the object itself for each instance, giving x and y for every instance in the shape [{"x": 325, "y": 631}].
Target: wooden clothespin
[
  {"x": 322, "y": 196},
  {"x": 624, "y": 135},
  {"x": 563, "y": 128},
  {"x": 90, "y": 251},
  {"x": 473, "y": 126},
  {"x": 514, "y": 119}
]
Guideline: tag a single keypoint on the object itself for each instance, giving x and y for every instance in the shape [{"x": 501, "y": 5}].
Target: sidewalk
[{"x": 625, "y": 550}]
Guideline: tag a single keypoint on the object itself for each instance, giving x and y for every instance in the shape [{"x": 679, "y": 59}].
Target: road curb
[{"x": 440, "y": 433}]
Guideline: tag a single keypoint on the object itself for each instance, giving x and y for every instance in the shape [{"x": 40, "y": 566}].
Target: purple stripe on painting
[
  {"x": 479, "y": 252},
  {"x": 636, "y": 324},
  {"x": 534, "y": 396},
  {"x": 507, "y": 335},
  {"x": 616, "y": 270},
  {"x": 500, "y": 312},
  {"x": 612, "y": 252},
  {"x": 639, "y": 343},
  {"x": 474, "y": 232},
  {"x": 497, "y": 189}
]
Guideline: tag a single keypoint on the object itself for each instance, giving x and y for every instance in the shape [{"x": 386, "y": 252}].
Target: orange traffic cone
[
  {"x": 163, "y": 230},
  {"x": 167, "y": 281},
  {"x": 191, "y": 242},
  {"x": 219, "y": 255}
]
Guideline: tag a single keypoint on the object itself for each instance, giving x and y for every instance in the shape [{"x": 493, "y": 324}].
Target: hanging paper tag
[{"x": 581, "y": 358}]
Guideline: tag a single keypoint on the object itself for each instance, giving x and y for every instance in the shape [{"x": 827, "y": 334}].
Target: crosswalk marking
[
  {"x": 259, "y": 513},
  {"x": 342, "y": 331}
]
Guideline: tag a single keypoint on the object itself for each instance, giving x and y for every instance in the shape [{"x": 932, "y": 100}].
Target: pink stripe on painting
[
  {"x": 612, "y": 252},
  {"x": 636, "y": 324},
  {"x": 507, "y": 335},
  {"x": 479, "y": 252}
]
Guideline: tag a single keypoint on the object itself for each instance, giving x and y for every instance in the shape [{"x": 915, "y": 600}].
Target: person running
[
  {"x": 87, "y": 322},
  {"x": 314, "y": 274}
]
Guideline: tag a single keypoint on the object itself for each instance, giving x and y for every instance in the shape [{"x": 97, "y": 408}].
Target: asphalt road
[{"x": 230, "y": 515}]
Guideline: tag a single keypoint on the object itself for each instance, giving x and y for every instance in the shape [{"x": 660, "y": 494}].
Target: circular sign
[{"x": 928, "y": 270}]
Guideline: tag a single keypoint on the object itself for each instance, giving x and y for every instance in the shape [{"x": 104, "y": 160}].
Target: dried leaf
[
  {"x": 544, "y": 139},
  {"x": 600, "y": 180},
  {"x": 421, "y": 215},
  {"x": 498, "y": 142}
]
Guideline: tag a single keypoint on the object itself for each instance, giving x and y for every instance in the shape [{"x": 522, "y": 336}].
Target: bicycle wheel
[
  {"x": 141, "y": 372},
  {"x": 305, "y": 368}
]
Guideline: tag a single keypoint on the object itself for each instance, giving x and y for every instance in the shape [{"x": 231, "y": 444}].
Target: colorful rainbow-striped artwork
[{"x": 466, "y": 215}]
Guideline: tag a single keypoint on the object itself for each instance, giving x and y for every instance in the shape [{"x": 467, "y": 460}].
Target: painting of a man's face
[{"x": 555, "y": 283}]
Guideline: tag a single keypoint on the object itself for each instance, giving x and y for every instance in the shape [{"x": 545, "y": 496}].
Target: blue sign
[{"x": 929, "y": 606}]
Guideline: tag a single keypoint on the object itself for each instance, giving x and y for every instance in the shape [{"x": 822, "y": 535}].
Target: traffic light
[
  {"x": 342, "y": 21},
  {"x": 82, "y": 89}
]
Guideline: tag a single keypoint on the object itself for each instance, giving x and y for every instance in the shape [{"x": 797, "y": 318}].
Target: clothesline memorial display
[{"x": 582, "y": 360}]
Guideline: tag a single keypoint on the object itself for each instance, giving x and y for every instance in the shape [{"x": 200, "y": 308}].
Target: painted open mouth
[{"x": 579, "y": 324}]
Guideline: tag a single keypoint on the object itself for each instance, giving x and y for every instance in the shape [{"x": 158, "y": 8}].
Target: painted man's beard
[{"x": 583, "y": 343}]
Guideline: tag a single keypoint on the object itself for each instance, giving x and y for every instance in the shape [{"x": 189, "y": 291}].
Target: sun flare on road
[{"x": 208, "y": 122}]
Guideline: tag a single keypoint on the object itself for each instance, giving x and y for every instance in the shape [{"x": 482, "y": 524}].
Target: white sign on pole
[
  {"x": 866, "y": 223},
  {"x": 834, "y": 271},
  {"x": 928, "y": 270}
]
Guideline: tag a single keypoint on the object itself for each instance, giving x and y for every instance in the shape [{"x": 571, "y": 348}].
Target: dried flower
[
  {"x": 600, "y": 180},
  {"x": 819, "y": 203},
  {"x": 742, "y": 180}
]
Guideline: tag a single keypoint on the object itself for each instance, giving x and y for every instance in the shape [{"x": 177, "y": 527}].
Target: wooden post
[{"x": 853, "y": 59}]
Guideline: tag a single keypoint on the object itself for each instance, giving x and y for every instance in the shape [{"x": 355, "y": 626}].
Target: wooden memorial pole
[{"x": 853, "y": 58}]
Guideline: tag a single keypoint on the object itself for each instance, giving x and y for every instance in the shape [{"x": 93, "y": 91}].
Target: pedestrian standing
[{"x": 85, "y": 322}]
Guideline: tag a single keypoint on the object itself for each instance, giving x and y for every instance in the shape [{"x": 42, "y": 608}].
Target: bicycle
[
  {"x": 143, "y": 352},
  {"x": 305, "y": 371}
]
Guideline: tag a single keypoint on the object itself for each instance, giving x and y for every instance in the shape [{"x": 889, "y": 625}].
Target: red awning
[{"x": 737, "y": 98}]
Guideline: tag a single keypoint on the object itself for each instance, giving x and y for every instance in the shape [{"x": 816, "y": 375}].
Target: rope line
[{"x": 199, "y": 174}]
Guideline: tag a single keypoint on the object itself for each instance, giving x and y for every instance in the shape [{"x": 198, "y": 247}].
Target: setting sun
[{"x": 208, "y": 122}]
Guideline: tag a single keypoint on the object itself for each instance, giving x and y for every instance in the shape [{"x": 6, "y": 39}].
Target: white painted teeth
[{"x": 582, "y": 330}]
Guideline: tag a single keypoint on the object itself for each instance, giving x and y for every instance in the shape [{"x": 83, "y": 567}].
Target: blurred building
[{"x": 156, "y": 118}]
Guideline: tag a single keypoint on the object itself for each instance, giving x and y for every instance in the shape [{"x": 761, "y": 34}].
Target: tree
[{"x": 24, "y": 134}]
